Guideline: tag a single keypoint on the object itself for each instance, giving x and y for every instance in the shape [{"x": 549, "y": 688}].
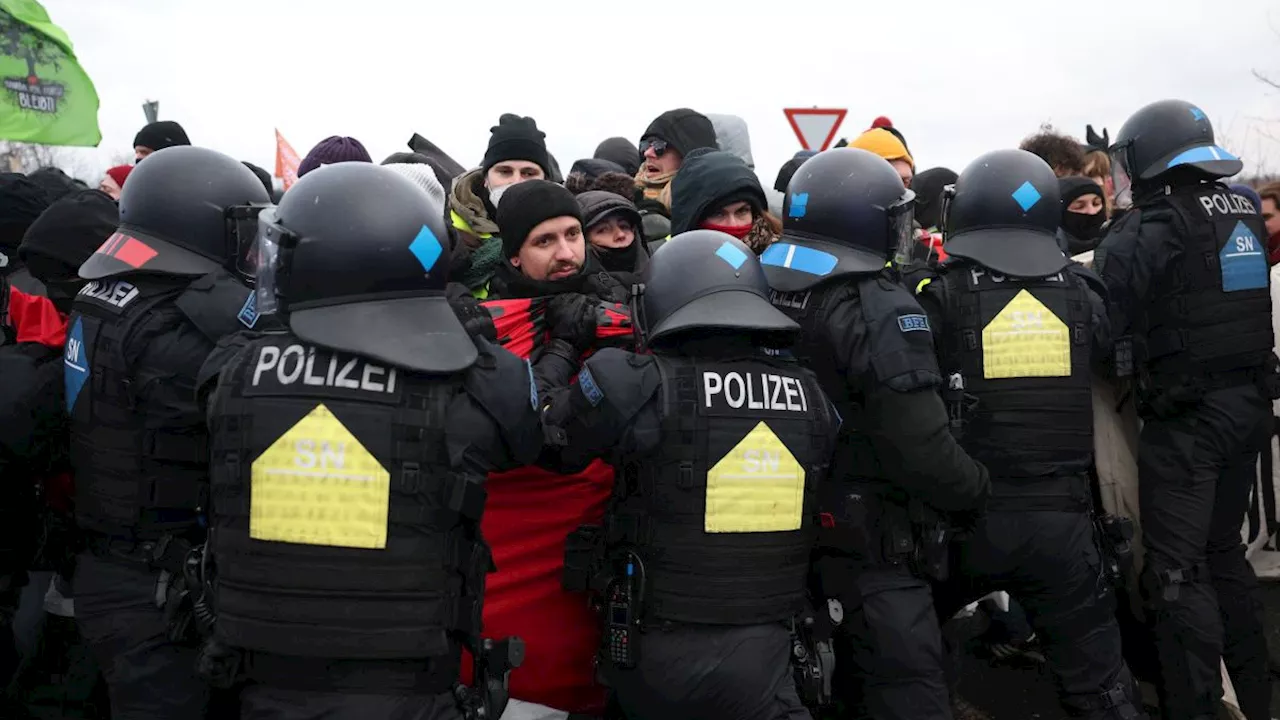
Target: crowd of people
[{"x": 647, "y": 439}]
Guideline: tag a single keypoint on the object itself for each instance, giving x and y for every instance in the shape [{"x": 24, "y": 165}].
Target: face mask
[
  {"x": 1084, "y": 227},
  {"x": 496, "y": 194}
]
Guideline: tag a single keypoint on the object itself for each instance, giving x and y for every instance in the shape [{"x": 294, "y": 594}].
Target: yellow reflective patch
[
  {"x": 317, "y": 485},
  {"x": 756, "y": 487},
  {"x": 1025, "y": 339}
]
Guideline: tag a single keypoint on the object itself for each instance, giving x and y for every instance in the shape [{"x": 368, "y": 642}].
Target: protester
[
  {"x": 614, "y": 230},
  {"x": 517, "y": 152},
  {"x": 715, "y": 190},
  {"x": 929, "y": 186},
  {"x": 621, "y": 151},
  {"x": 1083, "y": 214},
  {"x": 888, "y": 144},
  {"x": 596, "y": 174},
  {"x": 56, "y": 183},
  {"x": 263, "y": 176},
  {"x": 1097, "y": 167},
  {"x": 1063, "y": 153},
  {"x": 26, "y": 314},
  {"x": 333, "y": 149},
  {"x": 157, "y": 136},
  {"x": 1270, "y": 208},
  {"x": 113, "y": 181},
  {"x": 422, "y": 176},
  {"x": 665, "y": 144}
]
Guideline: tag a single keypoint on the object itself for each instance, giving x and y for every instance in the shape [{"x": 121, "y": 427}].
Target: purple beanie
[{"x": 333, "y": 149}]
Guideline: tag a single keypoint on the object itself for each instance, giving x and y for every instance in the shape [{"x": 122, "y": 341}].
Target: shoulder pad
[
  {"x": 1090, "y": 278},
  {"x": 502, "y": 383},
  {"x": 223, "y": 355},
  {"x": 902, "y": 352},
  {"x": 624, "y": 380},
  {"x": 219, "y": 305}
]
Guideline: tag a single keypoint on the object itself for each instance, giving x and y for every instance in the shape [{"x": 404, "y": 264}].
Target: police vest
[
  {"x": 341, "y": 526},
  {"x": 1212, "y": 310},
  {"x": 1022, "y": 348},
  {"x": 724, "y": 512},
  {"x": 136, "y": 474}
]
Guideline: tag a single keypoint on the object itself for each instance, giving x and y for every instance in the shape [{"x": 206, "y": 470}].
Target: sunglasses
[{"x": 659, "y": 146}]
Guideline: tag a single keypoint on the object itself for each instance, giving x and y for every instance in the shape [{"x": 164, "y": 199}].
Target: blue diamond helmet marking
[
  {"x": 799, "y": 205},
  {"x": 1197, "y": 113},
  {"x": 731, "y": 255},
  {"x": 1026, "y": 196},
  {"x": 426, "y": 247}
]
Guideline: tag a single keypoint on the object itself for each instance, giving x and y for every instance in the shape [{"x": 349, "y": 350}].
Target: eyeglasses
[{"x": 659, "y": 146}]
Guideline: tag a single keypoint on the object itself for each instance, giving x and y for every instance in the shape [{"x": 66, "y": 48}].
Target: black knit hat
[
  {"x": 684, "y": 129},
  {"x": 1077, "y": 186},
  {"x": 526, "y": 205},
  {"x": 66, "y": 234},
  {"x": 517, "y": 138},
  {"x": 160, "y": 135}
]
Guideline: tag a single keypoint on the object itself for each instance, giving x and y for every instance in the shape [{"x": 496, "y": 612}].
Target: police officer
[
  {"x": 1186, "y": 268},
  {"x": 1018, "y": 324},
  {"x": 161, "y": 293},
  {"x": 897, "y": 466},
  {"x": 719, "y": 448},
  {"x": 350, "y": 450}
]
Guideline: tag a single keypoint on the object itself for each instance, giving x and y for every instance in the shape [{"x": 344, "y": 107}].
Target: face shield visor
[
  {"x": 1121, "y": 179},
  {"x": 901, "y": 218},
  {"x": 242, "y": 236},
  {"x": 948, "y": 197},
  {"x": 271, "y": 246}
]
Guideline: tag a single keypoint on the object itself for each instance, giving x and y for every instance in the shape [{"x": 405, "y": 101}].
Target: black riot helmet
[
  {"x": 1003, "y": 213},
  {"x": 845, "y": 212},
  {"x": 356, "y": 258},
  {"x": 707, "y": 280},
  {"x": 1162, "y": 137},
  {"x": 185, "y": 211}
]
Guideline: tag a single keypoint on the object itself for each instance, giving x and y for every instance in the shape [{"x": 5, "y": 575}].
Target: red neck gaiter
[{"x": 738, "y": 231}]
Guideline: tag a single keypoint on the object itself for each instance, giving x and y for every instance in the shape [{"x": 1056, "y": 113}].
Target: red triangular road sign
[{"x": 816, "y": 128}]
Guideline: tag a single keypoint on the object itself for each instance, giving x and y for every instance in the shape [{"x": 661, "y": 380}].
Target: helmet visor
[
  {"x": 242, "y": 233},
  {"x": 268, "y": 260},
  {"x": 901, "y": 217},
  {"x": 1121, "y": 180}
]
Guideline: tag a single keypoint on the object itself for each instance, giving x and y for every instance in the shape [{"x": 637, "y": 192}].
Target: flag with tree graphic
[{"x": 45, "y": 96}]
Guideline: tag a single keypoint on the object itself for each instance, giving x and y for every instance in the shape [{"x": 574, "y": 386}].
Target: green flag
[{"x": 45, "y": 96}]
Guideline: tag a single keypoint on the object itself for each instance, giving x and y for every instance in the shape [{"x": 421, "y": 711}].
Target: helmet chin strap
[{"x": 638, "y": 320}]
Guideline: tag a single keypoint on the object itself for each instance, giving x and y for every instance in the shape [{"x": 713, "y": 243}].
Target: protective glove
[{"x": 571, "y": 317}]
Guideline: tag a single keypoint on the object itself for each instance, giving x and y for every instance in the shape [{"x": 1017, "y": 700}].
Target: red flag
[{"x": 286, "y": 161}]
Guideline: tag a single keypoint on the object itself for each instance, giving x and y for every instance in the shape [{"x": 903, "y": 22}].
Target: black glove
[
  {"x": 475, "y": 319},
  {"x": 571, "y": 317}
]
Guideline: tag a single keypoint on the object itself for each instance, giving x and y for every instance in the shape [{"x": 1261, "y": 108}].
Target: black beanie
[
  {"x": 928, "y": 186},
  {"x": 1076, "y": 186},
  {"x": 621, "y": 151},
  {"x": 160, "y": 135},
  {"x": 684, "y": 129},
  {"x": 517, "y": 138},
  {"x": 21, "y": 202},
  {"x": 62, "y": 238},
  {"x": 527, "y": 204}
]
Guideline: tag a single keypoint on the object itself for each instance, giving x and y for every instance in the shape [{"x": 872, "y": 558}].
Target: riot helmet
[
  {"x": 846, "y": 211},
  {"x": 707, "y": 280},
  {"x": 356, "y": 258},
  {"x": 1003, "y": 213},
  {"x": 185, "y": 211},
  {"x": 1161, "y": 137}
]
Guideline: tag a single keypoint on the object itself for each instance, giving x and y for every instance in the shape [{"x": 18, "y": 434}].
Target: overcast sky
[{"x": 957, "y": 78}]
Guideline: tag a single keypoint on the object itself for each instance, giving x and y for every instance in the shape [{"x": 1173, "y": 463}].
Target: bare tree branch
[{"x": 1263, "y": 78}]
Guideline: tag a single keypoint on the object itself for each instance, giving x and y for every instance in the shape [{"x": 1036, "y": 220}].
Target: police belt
[
  {"x": 167, "y": 553},
  {"x": 1062, "y": 493},
  {"x": 428, "y": 676}
]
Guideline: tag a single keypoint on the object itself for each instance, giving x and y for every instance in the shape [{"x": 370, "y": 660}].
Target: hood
[
  {"x": 733, "y": 137},
  {"x": 621, "y": 151},
  {"x": 928, "y": 186},
  {"x": 465, "y": 199},
  {"x": 684, "y": 129},
  {"x": 702, "y": 180}
]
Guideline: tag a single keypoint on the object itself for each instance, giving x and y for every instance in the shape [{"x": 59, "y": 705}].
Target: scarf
[
  {"x": 658, "y": 188},
  {"x": 508, "y": 283},
  {"x": 483, "y": 262}
]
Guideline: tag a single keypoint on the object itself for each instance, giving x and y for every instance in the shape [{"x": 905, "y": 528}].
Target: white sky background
[{"x": 957, "y": 78}]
